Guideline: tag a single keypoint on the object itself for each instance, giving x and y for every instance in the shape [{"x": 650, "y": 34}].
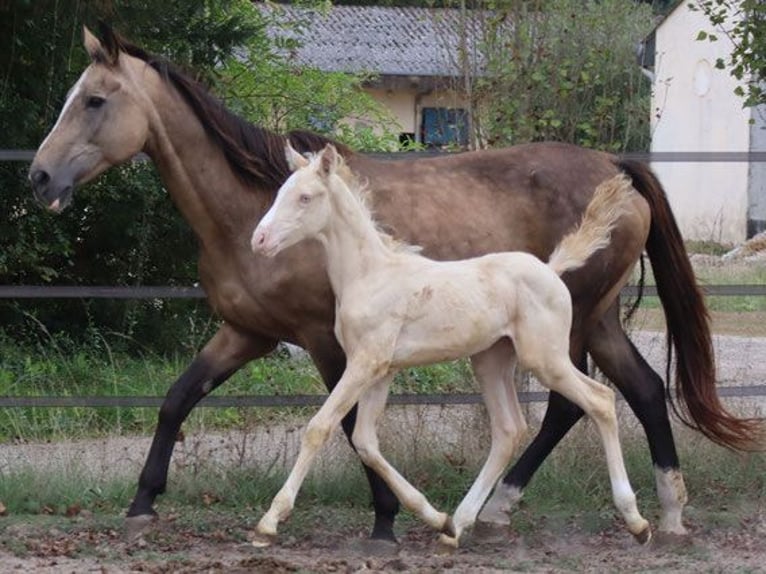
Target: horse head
[{"x": 104, "y": 122}]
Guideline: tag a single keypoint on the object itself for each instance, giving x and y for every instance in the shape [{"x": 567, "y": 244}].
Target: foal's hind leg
[
  {"x": 598, "y": 403},
  {"x": 494, "y": 370},
  {"x": 542, "y": 344},
  {"x": 644, "y": 391}
]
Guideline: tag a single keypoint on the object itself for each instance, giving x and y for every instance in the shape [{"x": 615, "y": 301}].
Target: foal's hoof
[
  {"x": 446, "y": 545},
  {"x": 260, "y": 540},
  {"x": 135, "y": 526},
  {"x": 644, "y": 536}
]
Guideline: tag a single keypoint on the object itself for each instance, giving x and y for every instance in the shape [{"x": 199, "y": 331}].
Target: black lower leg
[
  {"x": 385, "y": 503},
  {"x": 198, "y": 380},
  {"x": 560, "y": 416}
]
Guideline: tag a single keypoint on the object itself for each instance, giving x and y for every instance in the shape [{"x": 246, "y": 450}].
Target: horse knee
[
  {"x": 316, "y": 434},
  {"x": 603, "y": 407},
  {"x": 508, "y": 434}
]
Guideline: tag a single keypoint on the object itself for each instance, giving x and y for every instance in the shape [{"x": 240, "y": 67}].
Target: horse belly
[{"x": 450, "y": 335}]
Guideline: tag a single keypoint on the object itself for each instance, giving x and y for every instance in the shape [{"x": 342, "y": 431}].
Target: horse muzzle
[{"x": 52, "y": 194}]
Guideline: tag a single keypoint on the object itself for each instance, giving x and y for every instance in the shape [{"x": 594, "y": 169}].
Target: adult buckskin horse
[{"x": 223, "y": 173}]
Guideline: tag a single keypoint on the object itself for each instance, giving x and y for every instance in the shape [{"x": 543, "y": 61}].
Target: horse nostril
[{"x": 39, "y": 177}]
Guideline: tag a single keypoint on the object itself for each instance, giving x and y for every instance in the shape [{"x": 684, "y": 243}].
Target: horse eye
[
  {"x": 94, "y": 102},
  {"x": 304, "y": 199}
]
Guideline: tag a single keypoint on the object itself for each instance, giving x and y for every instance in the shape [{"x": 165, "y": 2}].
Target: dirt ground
[{"x": 727, "y": 540}]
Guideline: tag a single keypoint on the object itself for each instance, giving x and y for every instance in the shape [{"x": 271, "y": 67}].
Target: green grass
[
  {"x": 730, "y": 274},
  {"x": 53, "y": 370}
]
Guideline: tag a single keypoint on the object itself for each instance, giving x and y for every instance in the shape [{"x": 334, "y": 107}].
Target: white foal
[{"x": 396, "y": 308}]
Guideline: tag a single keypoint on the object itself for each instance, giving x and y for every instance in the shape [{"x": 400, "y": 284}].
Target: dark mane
[{"x": 256, "y": 155}]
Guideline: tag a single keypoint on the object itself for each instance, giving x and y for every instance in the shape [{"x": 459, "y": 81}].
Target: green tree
[
  {"x": 560, "y": 70},
  {"x": 123, "y": 229},
  {"x": 744, "y": 22}
]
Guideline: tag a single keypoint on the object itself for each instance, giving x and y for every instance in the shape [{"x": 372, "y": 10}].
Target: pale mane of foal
[{"x": 360, "y": 191}]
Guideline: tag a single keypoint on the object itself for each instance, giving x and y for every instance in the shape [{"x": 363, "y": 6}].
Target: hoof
[
  {"x": 446, "y": 545},
  {"x": 644, "y": 536},
  {"x": 448, "y": 528},
  {"x": 375, "y": 547},
  {"x": 259, "y": 540},
  {"x": 135, "y": 526}
]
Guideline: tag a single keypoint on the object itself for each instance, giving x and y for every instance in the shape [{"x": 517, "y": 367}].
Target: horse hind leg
[
  {"x": 494, "y": 370},
  {"x": 644, "y": 391},
  {"x": 598, "y": 402},
  {"x": 560, "y": 415}
]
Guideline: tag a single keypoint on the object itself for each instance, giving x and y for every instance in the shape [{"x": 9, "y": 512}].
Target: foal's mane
[
  {"x": 256, "y": 155},
  {"x": 360, "y": 192}
]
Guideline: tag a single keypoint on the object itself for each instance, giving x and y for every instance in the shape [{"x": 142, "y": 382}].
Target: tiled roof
[{"x": 402, "y": 41}]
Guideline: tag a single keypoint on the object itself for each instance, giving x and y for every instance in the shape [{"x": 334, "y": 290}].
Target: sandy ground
[{"x": 732, "y": 540}]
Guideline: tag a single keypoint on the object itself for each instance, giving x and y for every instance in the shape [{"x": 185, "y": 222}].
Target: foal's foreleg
[
  {"x": 365, "y": 438},
  {"x": 494, "y": 370},
  {"x": 354, "y": 382}
]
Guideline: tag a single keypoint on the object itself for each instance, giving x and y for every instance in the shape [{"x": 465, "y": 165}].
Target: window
[{"x": 444, "y": 127}]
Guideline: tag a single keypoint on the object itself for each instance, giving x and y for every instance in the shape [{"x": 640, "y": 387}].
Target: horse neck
[
  {"x": 352, "y": 241},
  {"x": 197, "y": 175}
]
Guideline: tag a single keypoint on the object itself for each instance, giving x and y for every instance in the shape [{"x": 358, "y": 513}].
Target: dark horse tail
[{"x": 688, "y": 325}]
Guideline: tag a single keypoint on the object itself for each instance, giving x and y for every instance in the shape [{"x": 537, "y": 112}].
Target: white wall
[{"x": 694, "y": 109}]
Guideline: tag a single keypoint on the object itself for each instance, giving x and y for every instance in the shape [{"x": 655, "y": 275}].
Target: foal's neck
[{"x": 353, "y": 243}]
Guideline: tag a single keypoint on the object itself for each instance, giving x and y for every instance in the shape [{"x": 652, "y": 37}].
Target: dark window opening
[{"x": 444, "y": 127}]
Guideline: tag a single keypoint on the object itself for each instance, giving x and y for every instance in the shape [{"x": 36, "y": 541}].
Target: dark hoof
[
  {"x": 374, "y": 547},
  {"x": 263, "y": 540},
  {"x": 135, "y": 526},
  {"x": 644, "y": 536}
]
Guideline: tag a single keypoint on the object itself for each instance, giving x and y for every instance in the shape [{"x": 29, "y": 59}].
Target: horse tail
[
  {"x": 688, "y": 325},
  {"x": 609, "y": 201}
]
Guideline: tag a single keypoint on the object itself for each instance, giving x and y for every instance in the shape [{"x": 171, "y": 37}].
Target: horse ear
[
  {"x": 109, "y": 41},
  {"x": 295, "y": 160},
  {"x": 106, "y": 52},
  {"x": 93, "y": 45},
  {"x": 330, "y": 159}
]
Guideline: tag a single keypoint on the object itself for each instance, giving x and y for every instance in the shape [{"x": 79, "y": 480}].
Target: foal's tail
[
  {"x": 688, "y": 326},
  {"x": 610, "y": 200}
]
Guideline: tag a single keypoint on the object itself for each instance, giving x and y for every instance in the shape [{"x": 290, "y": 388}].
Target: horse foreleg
[
  {"x": 354, "y": 382},
  {"x": 494, "y": 370},
  {"x": 226, "y": 352},
  {"x": 331, "y": 361},
  {"x": 365, "y": 438},
  {"x": 644, "y": 391}
]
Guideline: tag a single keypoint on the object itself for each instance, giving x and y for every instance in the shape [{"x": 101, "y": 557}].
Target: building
[
  {"x": 695, "y": 109},
  {"x": 412, "y": 54}
]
